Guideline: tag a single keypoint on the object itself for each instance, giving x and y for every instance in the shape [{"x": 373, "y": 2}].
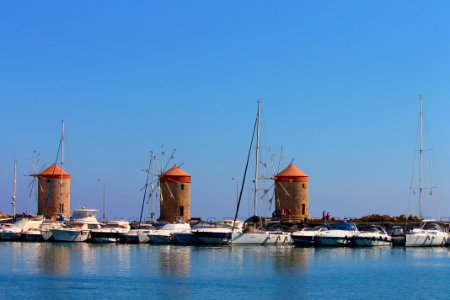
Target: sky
[{"x": 339, "y": 83}]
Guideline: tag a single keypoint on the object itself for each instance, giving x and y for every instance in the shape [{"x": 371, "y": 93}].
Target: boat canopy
[{"x": 343, "y": 226}]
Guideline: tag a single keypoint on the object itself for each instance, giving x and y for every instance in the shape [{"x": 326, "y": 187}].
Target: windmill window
[
  {"x": 303, "y": 209},
  {"x": 182, "y": 186},
  {"x": 303, "y": 185},
  {"x": 181, "y": 211}
]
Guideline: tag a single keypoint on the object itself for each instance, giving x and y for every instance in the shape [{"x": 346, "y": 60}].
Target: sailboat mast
[
  {"x": 62, "y": 143},
  {"x": 153, "y": 188},
  {"x": 420, "y": 159},
  {"x": 13, "y": 202},
  {"x": 255, "y": 195}
]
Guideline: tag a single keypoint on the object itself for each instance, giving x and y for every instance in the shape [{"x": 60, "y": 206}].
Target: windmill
[
  {"x": 171, "y": 186},
  {"x": 272, "y": 170},
  {"x": 150, "y": 182}
]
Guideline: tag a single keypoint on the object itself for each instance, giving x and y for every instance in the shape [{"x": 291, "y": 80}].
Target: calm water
[{"x": 77, "y": 270}]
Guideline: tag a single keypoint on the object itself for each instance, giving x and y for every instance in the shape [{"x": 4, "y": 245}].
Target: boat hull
[
  {"x": 260, "y": 238},
  {"x": 104, "y": 237},
  {"x": 70, "y": 235},
  {"x": 332, "y": 241},
  {"x": 425, "y": 240},
  {"x": 185, "y": 238},
  {"x": 135, "y": 236},
  {"x": 303, "y": 240},
  {"x": 10, "y": 236},
  {"x": 371, "y": 241},
  {"x": 160, "y": 239},
  {"x": 213, "y": 238},
  {"x": 35, "y": 236}
]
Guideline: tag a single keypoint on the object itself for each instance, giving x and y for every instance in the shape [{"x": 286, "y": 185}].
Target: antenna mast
[
  {"x": 421, "y": 159},
  {"x": 257, "y": 158}
]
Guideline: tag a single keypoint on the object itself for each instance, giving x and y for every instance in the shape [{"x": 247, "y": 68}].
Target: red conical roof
[
  {"x": 292, "y": 174},
  {"x": 53, "y": 171},
  {"x": 175, "y": 174}
]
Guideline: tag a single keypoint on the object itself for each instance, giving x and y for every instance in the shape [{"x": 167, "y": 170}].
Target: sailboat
[
  {"x": 139, "y": 233},
  {"x": 43, "y": 232},
  {"x": 258, "y": 236},
  {"x": 18, "y": 229},
  {"x": 431, "y": 234}
]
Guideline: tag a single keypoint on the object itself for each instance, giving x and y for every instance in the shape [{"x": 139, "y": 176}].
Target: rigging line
[
  {"x": 280, "y": 159},
  {"x": 52, "y": 179},
  {"x": 170, "y": 158},
  {"x": 411, "y": 188},
  {"x": 245, "y": 173},
  {"x": 145, "y": 191},
  {"x": 442, "y": 194}
]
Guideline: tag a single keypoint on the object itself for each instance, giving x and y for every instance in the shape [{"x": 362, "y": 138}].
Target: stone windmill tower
[
  {"x": 54, "y": 192},
  {"x": 175, "y": 204},
  {"x": 54, "y": 187},
  {"x": 291, "y": 193}
]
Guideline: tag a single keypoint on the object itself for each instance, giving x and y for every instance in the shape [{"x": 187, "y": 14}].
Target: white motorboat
[
  {"x": 188, "y": 237},
  {"x": 372, "y": 235},
  {"x": 165, "y": 234},
  {"x": 339, "y": 234},
  {"x": 431, "y": 234},
  {"x": 220, "y": 233},
  {"x": 42, "y": 233},
  {"x": 32, "y": 235},
  {"x": 78, "y": 228},
  {"x": 138, "y": 235},
  {"x": 14, "y": 232},
  {"x": 306, "y": 236},
  {"x": 110, "y": 232},
  {"x": 397, "y": 235},
  {"x": 261, "y": 237}
]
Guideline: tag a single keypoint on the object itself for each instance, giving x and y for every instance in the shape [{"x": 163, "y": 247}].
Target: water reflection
[
  {"x": 121, "y": 271},
  {"x": 292, "y": 260},
  {"x": 66, "y": 258},
  {"x": 174, "y": 260},
  {"x": 52, "y": 259}
]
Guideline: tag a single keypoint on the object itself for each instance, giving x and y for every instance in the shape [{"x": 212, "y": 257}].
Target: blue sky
[{"x": 339, "y": 83}]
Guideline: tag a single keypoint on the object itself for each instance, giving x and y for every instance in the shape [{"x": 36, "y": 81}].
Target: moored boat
[
  {"x": 188, "y": 237},
  {"x": 372, "y": 235},
  {"x": 431, "y": 234},
  {"x": 78, "y": 228},
  {"x": 165, "y": 234},
  {"x": 306, "y": 236},
  {"x": 110, "y": 232},
  {"x": 220, "y": 233},
  {"x": 397, "y": 235},
  {"x": 261, "y": 237},
  {"x": 138, "y": 235},
  {"x": 339, "y": 234},
  {"x": 14, "y": 232}
]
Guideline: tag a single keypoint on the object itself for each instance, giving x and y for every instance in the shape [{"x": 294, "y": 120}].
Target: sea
[{"x": 145, "y": 271}]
